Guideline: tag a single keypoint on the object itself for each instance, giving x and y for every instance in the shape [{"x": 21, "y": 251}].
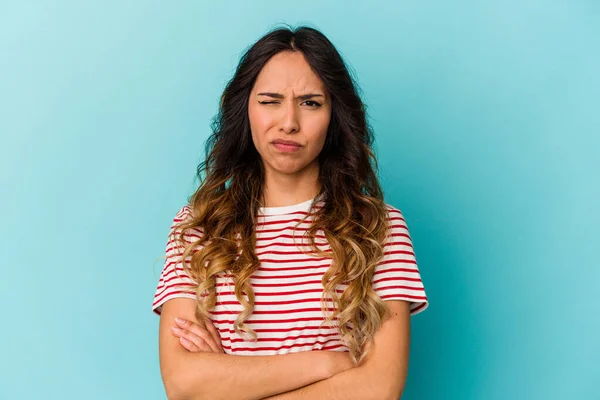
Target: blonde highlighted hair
[{"x": 353, "y": 215}]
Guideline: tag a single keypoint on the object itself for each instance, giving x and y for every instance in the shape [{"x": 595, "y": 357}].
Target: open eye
[{"x": 313, "y": 104}]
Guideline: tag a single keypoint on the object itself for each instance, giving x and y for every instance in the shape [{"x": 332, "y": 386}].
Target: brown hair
[{"x": 353, "y": 217}]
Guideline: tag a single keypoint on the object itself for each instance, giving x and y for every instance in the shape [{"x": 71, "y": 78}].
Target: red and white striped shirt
[{"x": 288, "y": 287}]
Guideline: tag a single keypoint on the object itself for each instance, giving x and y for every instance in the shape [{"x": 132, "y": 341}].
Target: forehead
[{"x": 288, "y": 71}]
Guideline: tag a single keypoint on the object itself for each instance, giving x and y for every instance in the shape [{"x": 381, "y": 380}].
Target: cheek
[
  {"x": 259, "y": 121},
  {"x": 319, "y": 129},
  {"x": 259, "y": 125}
]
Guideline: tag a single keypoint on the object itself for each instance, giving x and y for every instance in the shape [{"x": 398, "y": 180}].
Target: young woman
[{"x": 287, "y": 247}]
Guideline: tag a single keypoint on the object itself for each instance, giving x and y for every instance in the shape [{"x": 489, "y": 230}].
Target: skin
[
  {"x": 279, "y": 107},
  {"x": 292, "y": 178},
  {"x": 277, "y": 111},
  {"x": 198, "y": 337}
]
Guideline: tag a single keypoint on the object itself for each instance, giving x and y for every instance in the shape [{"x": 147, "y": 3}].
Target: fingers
[
  {"x": 196, "y": 338},
  {"x": 193, "y": 347},
  {"x": 191, "y": 341},
  {"x": 214, "y": 333},
  {"x": 208, "y": 325}
]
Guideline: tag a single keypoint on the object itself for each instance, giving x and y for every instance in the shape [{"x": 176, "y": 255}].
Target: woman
[{"x": 288, "y": 244}]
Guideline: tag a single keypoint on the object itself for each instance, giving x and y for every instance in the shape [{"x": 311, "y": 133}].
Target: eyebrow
[{"x": 301, "y": 97}]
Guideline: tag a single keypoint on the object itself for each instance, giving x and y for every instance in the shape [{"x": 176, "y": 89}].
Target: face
[{"x": 289, "y": 103}]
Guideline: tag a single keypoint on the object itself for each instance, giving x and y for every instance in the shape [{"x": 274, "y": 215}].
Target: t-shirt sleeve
[
  {"x": 397, "y": 275},
  {"x": 174, "y": 281}
]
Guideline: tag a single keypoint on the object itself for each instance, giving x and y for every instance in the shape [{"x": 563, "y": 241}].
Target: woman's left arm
[{"x": 382, "y": 373}]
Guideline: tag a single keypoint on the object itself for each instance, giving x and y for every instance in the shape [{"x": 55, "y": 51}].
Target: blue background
[{"x": 487, "y": 123}]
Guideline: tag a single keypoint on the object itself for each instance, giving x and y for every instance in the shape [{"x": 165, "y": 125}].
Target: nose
[{"x": 290, "y": 123}]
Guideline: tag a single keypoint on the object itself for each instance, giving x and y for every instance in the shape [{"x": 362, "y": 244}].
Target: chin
[{"x": 287, "y": 169}]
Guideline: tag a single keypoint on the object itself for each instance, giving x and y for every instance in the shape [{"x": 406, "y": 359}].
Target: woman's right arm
[{"x": 205, "y": 375}]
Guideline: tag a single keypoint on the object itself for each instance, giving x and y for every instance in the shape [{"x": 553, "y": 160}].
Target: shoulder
[
  {"x": 183, "y": 215},
  {"x": 393, "y": 213},
  {"x": 397, "y": 224}
]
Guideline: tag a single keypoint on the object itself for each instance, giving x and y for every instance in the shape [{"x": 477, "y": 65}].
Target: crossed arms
[{"x": 304, "y": 375}]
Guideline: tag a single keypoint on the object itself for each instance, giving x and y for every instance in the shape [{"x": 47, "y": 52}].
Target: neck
[{"x": 287, "y": 189}]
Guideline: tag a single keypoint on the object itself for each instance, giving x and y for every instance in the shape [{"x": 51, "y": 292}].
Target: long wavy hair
[{"x": 352, "y": 217}]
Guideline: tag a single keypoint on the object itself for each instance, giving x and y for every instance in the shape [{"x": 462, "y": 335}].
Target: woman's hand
[{"x": 202, "y": 337}]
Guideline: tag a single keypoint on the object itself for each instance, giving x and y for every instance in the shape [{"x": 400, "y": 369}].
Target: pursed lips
[{"x": 286, "y": 143}]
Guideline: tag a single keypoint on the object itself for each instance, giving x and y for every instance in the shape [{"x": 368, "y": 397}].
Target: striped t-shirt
[{"x": 287, "y": 286}]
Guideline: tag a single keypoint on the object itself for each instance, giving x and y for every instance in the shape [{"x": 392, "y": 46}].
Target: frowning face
[{"x": 289, "y": 111}]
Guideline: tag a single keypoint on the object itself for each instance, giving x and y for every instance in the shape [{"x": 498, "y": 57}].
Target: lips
[{"x": 286, "y": 142}]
